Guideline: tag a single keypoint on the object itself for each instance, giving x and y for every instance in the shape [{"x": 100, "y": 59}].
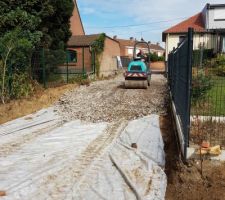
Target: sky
[{"x": 145, "y": 19}]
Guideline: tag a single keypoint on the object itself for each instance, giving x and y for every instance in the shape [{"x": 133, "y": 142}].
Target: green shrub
[
  {"x": 21, "y": 86},
  {"x": 80, "y": 79},
  {"x": 154, "y": 57},
  {"x": 221, "y": 71},
  {"x": 220, "y": 63},
  {"x": 201, "y": 84},
  {"x": 206, "y": 54}
]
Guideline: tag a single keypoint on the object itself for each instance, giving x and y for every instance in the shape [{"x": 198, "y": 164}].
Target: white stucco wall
[
  {"x": 216, "y": 18},
  {"x": 208, "y": 41}
]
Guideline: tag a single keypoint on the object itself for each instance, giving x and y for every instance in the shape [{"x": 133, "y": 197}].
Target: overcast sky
[{"x": 137, "y": 18}]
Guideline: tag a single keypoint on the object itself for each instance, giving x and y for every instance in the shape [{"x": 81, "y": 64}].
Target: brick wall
[
  {"x": 79, "y": 64},
  {"x": 76, "y": 26},
  {"x": 123, "y": 50},
  {"x": 108, "y": 59}
]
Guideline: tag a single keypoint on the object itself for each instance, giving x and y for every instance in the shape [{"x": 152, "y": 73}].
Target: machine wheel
[
  {"x": 145, "y": 85},
  {"x": 134, "y": 84}
]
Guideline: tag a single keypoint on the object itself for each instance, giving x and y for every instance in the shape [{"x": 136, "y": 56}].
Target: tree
[
  {"x": 56, "y": 26},
  {"x": 49, "y": 17},
  {"x": 10, "y": 44},
  {"x": 25, "y": 25}
]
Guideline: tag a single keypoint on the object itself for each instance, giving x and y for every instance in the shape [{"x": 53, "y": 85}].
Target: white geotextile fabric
[
  {"x": 41, "y": 168},
  {"x": 44, "y": 167},
  {"x": 127, "y": 173},
  {"x": 28, "y": 124}
]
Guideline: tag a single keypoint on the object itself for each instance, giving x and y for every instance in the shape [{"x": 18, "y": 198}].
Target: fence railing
[
  {"x": 52, "y": 68},
  {"x": 208, "y": 91},
  {"x": 125, "y": 61},
  {"x": 196, "y": 77},
  {"x": 179, "y": 78}
]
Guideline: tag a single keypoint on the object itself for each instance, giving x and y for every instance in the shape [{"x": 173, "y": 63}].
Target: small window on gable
[
  {"x": 181, "y": 38},
  {"x": 72, "y": 56}
]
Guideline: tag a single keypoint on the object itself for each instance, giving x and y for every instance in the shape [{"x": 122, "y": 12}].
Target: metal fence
[
  {"x": 208, "y": 91},
  {"x": 52, "y": 68},
  {"x": 179, "y": 78},
  {"x": 125, "y": 61},
  {"x": 196, "y": 77}
]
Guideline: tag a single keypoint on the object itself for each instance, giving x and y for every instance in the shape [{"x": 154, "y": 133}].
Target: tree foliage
[
  {"x": 50, "y": 18},
  {"x": 98, "y": 48},
  {"x": 14, "y": 51},
  {"x": 25, "y": 25},
  {"x": 154, "y": 57}
]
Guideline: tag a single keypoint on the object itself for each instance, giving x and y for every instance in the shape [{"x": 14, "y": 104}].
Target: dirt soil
[
  {"x": 109, "y": 101},
  {"x": 211, "y": 131},
  {"x": 186, "y": 182},
  {"x": 41, "y": 99}
]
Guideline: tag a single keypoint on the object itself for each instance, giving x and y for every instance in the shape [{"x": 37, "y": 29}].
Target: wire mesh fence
[
  {"x": 125, "y": 61},
  {"x": 179, "y": 78},
  {"x": 208, "y": 91},
  {"x": 53, "y": 67},
  {"x": 196, "y": 77}
]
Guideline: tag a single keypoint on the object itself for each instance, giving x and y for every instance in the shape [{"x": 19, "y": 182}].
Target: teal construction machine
[{"x": 138, "y": 73}]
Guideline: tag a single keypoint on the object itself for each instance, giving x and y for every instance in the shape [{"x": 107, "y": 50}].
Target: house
[
  {"x": 209, "y": 30},
  {"x": 81, "y": 45},
  {"x": 80, "y": 57},
  {"x": 127, "y": 47},
  {"x": 76, "y": 25}
]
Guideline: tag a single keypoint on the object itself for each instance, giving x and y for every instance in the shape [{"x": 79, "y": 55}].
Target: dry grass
[{"x": 41, "y": 99}]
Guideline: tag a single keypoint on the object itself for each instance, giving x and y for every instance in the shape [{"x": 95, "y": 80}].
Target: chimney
[
  {"x": 132, "y": 38},
  {"x": 115, "y": 37},
  {"x": 149, "y": 42},
  {"x": 142, "y": 40},
  {"x": 157, "y": 43}
]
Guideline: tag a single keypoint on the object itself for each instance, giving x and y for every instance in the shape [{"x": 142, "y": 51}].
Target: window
[
  {"x": 223, "y": 44},
  {"x": 130, "y": 51},
  {"x": 181, "y": 38},
  {"x": 72, "y": 56},
  {"x": 136, "y": 68}
]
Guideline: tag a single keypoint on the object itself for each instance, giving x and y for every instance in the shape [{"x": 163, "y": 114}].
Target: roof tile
[
  {"x": 82, "y": 40},
  {"x": 131, "y": 43},
  {"x": 196, "y": 22}
]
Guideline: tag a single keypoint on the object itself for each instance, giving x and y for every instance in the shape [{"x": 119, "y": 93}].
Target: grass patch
[{"x": 213, "y": 102}]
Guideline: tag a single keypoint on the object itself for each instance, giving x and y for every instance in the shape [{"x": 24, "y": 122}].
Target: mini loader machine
[{"x": 138, "y": 74}]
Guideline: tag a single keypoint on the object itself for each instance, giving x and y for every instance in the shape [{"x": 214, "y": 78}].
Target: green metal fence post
[
  {"x": 83, "y": 61},
  {"x": 10, "y": 79},
  {"x": 67, "y": 66},
  {"x": 43, "y": 67},
  {"x": 94, "y": 62},
  {"x": 188, "y": 89}
]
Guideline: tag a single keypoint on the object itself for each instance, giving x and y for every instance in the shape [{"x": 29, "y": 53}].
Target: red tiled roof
[
  {"x": 195, "y": 22},
  {"x": 131, "y": 43},
  {"x": 82, "y": 40},
  {"x": 85, "y": 40}
]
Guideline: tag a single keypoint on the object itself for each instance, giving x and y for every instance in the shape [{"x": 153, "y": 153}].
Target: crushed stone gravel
[{"x": 109, "y": 101}]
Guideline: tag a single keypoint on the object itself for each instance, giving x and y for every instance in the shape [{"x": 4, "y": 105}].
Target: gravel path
[{"x": 108, "y": 101}]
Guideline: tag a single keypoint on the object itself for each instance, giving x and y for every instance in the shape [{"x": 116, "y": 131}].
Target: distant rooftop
[
  {"x": 196, "y": 22},
  {"x": 131, "y": 42}
]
